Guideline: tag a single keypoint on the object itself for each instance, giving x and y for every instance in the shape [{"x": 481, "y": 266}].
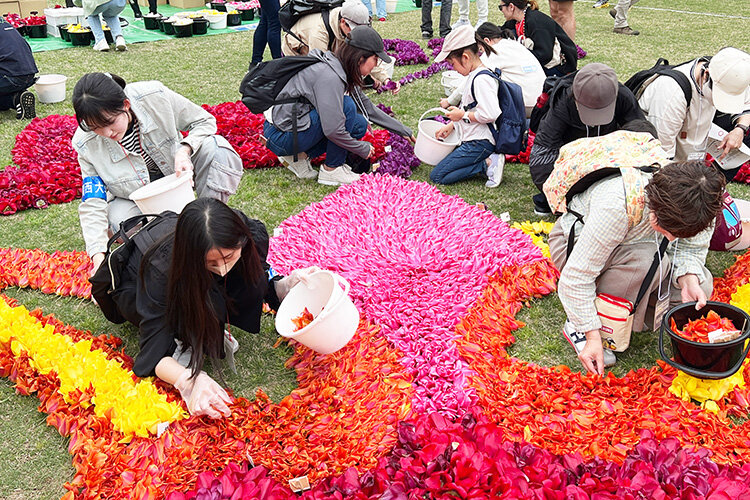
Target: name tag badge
[{"x": 93, "y": 187}]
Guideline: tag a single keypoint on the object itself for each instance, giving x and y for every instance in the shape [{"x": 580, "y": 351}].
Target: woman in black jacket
[
  {"x": 210, "y": 271},
  {"x": 540, "y": 34}
]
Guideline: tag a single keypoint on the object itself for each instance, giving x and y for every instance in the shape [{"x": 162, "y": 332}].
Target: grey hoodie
[{"x": 324, "y": 85}]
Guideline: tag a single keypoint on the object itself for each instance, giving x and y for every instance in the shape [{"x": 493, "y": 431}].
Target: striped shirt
[{"x": 131, "y": 141}]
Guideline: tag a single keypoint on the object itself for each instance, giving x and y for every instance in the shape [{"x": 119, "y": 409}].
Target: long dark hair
[
  {"x": 493, "y": 31},
  {"x": 97, "y": 99},
  {"x": 350, "y": 58},
  {"x": 204, "y": 224}
]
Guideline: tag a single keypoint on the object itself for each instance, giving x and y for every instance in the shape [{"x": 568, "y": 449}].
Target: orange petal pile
[{"x": 61, "y": 273}]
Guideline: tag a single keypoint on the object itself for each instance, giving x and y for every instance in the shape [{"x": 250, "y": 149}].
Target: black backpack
[
  {"x": 552, "y": 90},
  {"x": 293, "y": 10},
  {"x": 262, "y": 84},
  {"x": 639, "y": 81},
  {"x": 107, "y": 279},
  {"x": 510, "y": 127}
]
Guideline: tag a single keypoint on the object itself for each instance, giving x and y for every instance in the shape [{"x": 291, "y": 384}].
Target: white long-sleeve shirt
[
  {"x": 486, "y": 111},
  {"x": 682, "y": 131},
  {"x": 518, "y": 65}
]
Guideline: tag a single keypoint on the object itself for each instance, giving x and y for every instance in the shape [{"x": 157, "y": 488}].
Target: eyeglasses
[{"x": 502, "y": 6}]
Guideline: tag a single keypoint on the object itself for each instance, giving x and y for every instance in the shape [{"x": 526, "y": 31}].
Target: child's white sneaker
[
  {"x": 495, "y": 169},
  {"x": 120, "y": 44}
]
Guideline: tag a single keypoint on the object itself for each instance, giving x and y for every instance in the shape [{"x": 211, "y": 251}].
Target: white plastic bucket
[
  {"x": 450, "y": 80},
  {"x": 51, "y": 88},
  {"x": 217, "y": 21},
  {"x": 335, "y": 316},
  {"x": 428, "y": 148},
  {"x": 168, "y": 193}
]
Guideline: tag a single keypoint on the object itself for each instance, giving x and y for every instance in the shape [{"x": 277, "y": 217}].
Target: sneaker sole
[
  {"x": 542, "y": 214},
  {"x": 28, "y": 102},
  {"x": 329, "y": 183}
]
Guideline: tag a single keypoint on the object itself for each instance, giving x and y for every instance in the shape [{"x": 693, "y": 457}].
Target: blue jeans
[
  {"x": 110, "y": 11},
  {"x": 312, "y": 141},
  {"x": 379, "y": 6},
  {"x": 12, "y": 85},
  {"x": 267, "y": 32},
  {"x": 467, "y": 160}
]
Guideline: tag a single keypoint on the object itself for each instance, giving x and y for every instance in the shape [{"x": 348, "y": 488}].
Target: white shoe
[
  {"x": 302, "y": 168},
  {"x": 460, "y": 22},
  {"x": 120, "y": 45},
  {"x": 495, "y": 170},
  {"x": 102, "y": 45},
  {"x": 578, "y": 341},
  {"x": 337, "y": 176},
  {"x": 230, "y": 347}
]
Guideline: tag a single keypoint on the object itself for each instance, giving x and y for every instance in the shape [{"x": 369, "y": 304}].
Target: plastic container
[
  {"x": 335, "y": 316},
  {"x": 220, "y": 6},
  {"x": 450, "y": 80},
  {"x": 200, "y": 26},
  {"x": 247, "y": 14},
  {"x": 80, "y": 38},
  {"x": 183, "y": 28},
  {"x": 51, "y": 88},
  {"x": 151, "y": 21},
  {"x": 700, "y": 359},
  {"x": 169, "y": 27},
  {"x": 168, "y": 193},
  {"x": 427, "y": 148},
  {"x": 37, "y": 31},
  {"x": 217, "y": 21},
  {"x": 64, "y": 32},
  {"x": 234, "y": 19}
]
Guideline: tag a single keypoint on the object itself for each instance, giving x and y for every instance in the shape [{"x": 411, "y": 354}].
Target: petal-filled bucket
[
  {"x": 168, "y": 193},
  {"x": 427, "y": 148},
  {"x": 335, "y": 318}
]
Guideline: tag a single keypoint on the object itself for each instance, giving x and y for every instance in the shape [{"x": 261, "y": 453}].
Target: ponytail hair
[
  {"x": 489, "y": 30},
  {"x": 97, "y": 100}
]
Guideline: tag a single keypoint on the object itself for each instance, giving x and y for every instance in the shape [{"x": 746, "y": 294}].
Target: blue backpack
[{"x": 510, "y": 127}]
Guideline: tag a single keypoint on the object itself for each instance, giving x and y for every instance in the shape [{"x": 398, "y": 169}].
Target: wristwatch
[
  {"x": 744, "y": 128},
  {"x": 465, "y": 119}
]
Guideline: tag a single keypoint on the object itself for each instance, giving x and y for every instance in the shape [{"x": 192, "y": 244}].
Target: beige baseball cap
[
  {"x": 355, "y": 13},
  {"x": 730, "y": 72},
  {"x": 458, "y": 38}
]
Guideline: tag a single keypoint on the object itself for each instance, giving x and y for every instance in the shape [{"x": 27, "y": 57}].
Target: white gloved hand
[
  {"x": 203, "y": 395},
  {"x": 287, "y": 282}
]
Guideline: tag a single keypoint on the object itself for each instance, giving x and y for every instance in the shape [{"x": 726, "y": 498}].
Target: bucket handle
[
  {"x": 693, "y": 371},
  {"x": 457, "y": 129},
  {"x": 338, "y": 281}
]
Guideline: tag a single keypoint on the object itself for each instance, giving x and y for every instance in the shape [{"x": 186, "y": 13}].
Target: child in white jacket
[{"x": 461, "y": 49}]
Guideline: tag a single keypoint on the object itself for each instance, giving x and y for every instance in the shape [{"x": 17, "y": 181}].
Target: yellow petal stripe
[
  {"x": 536, "y": 230},
  {"x": 134, "y": 408}
]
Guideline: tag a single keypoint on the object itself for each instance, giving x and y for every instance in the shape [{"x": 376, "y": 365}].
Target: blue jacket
[{"x": 15, "y": 54}]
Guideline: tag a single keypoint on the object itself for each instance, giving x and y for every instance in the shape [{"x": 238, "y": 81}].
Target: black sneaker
[
  {"x": 25, "y": 106},
  {"x": 426, "y": 35},
  {"x": 541, "y": 207}
]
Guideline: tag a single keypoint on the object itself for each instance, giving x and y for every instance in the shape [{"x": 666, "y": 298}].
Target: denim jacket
[{"x": 108, "y": 170}]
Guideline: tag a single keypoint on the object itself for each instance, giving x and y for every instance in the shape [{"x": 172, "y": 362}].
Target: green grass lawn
[{"x": 34, "y": 462}]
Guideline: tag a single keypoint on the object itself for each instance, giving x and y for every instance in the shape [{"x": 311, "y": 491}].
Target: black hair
[
  {"x": 641, "y": 125},
  {"x": 489, "y": 30},
  {"x": 473, "y": 48},
  {"x": 97, "y": 100},
  {"x": 203, "y": 225},
  {"x": 350, "y": 58}
]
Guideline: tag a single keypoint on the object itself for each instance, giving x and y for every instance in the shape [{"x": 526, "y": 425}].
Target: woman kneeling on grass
[
  {"x": 130, "y": 135},
  {"x": 329, "y": 121},
  {"x": 209, "y": 271}
]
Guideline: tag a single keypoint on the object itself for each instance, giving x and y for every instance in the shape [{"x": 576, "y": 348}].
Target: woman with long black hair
[{"x": 209, "y": 272}]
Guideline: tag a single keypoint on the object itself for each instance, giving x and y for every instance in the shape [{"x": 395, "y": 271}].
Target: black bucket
[
  {"x": 701, "y": 359},
  {"x": 234, "y": 19},
  {"x": 220, "y": 6},
  {"x": 200, "y": 26},
  {"x": 64, "y": 32},
  {"x": 150, "y": 22},
  {"x": 37, "y": 31},
  {"x": 247, "y": 14},
  {"x": 169, "y": 27}
]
